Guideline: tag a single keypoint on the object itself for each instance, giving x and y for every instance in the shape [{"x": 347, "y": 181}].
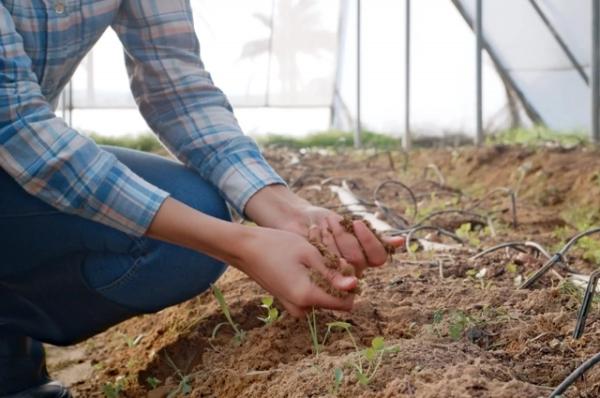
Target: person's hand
[
  {"x": 277, "y": 207},
  {"x": 281, "y": 262}
]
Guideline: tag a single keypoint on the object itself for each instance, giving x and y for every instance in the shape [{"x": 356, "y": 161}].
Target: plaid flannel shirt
[{"x": 41, "y": 44}]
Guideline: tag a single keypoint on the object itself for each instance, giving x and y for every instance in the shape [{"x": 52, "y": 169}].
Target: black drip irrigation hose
[
  {"x": 451, "y": 211},
  {"x": 588, "y": 297},
  {"x": 441, "y": 231},
  {"x": 558, "y": 257},
  {"x": 439, "y": 188},
  {"x": 513, "y": 245},
  {"x": 411, "y": 194},
  {"x": 577, "y": 373}
]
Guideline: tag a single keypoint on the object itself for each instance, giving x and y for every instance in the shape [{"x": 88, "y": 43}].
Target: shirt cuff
[{"x": 126, "y": 201}]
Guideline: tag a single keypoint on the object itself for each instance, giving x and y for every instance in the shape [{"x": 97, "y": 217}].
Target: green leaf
[
  {"x": 338, "y": 376},
  {"x": 370, "y": 354},
  {"x": 512, "y": 268},
  {"x": 267, "y": 301},
  {"x": 273, "y": 314},
  {"x": 339, "y": 325},
  {"x": 378, "y": 343},
  {"x": 222, "y": 303},
  {"x": 362, "y": 378},
  {"x": 153, "y": 382}
]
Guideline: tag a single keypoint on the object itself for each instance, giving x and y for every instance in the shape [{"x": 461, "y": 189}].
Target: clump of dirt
[
  {"x": 461, "y": 325},
  {"x": 332, "y": 261}
]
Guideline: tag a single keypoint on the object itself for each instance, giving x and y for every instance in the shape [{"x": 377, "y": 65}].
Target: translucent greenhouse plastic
[{"x": 295, "y": 60}]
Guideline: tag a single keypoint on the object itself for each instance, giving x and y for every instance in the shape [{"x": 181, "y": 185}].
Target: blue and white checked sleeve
[
  {"x": 181, "y": 104},
  {"x": 54, "y": 162}
]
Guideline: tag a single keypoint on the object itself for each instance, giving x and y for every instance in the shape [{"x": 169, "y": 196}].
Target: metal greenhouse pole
[
  {"x": 595, "y": 80},
  {"x": 479, "y": 92},
  {"x": 407, "y": 141},
  {"x": 358, "y": 130}
]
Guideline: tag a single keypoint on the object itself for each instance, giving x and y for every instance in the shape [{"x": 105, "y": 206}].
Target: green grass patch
[
  {"x": 537, "y": 135},
  {"x": 331, "y": 139}
]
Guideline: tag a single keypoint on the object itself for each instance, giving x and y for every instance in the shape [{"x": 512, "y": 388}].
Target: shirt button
[{"x": 59, "y": 8}]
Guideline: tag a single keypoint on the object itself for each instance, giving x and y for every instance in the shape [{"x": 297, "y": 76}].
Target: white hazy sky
[{"x": 443, "y": 69}]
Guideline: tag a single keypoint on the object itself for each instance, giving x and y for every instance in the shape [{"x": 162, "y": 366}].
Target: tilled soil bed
[{"x": 457, "y": 327}]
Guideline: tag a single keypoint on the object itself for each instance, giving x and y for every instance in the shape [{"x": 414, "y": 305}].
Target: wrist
[{"x": 275, "y": 206}]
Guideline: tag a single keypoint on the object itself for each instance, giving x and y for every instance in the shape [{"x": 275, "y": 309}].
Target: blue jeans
[{"x": 64, "y": 278}]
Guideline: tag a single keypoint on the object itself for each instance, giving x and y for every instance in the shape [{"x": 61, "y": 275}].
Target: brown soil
[{"x": 457, "y": 333}]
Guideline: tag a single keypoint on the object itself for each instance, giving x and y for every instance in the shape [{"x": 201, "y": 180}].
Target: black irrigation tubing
[
  {"x": 514, "y": 245},
  {"x": 589, "y": 291},
  {"x": 577, "y": 373},
  {"x": 586, "y": 304},
  {"x": 396, "y": 219},
  {"x": 441, "y": 231},
  {"x": 403, "y": 186},
  {"x": 513, "y": 201},
  {"x": 437, "y": 190},
  {"x": 451, "y": 211},
  {"x": 558, "y": 257}
]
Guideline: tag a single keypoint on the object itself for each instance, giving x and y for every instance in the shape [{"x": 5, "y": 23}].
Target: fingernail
[{"x": 348, "y": 282}]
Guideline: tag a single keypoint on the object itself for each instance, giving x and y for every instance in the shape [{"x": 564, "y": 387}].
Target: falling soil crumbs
[{"x": 460, "y": 327}]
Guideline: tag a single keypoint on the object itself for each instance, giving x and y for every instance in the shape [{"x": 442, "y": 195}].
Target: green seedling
[
  {"x": 438, "y": 317},
  {"x": 184, "y": 380},
  {"x": 338, "y": 377},
  {"x": 466, "y": 232},
  {"x": 239, "y": 333},
  {"x": 272, "y": 312},
  {"x": 369, "y": 359},
  {"x": 372, "y": 356},
  {"x": 314, "y": 333},
  {"x": 114, "y": 390},
  {"x": 458, "y": 324},
  {"x": 153, "y": 382},
  {"x": 511, "y": 268}
]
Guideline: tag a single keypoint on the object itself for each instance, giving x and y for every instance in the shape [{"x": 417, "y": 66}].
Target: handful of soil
[{"x": 333, "y": 261}]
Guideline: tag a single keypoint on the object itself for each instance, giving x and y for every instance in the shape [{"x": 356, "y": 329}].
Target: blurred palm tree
[{"x": 299, "y": 32}]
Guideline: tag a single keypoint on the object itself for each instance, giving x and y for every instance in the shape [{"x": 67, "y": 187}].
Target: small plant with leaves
[
  {"x": 459, "y": 322},
  {"x": 438, "y": 317},
  {"x": 153, "y": 382},
  {"x": 240, "y": 334},
  {"x": 466, "y": 232},
  {"x": 272, "y": 313},
  {"x": 370, "y": 360},
  {"x": 314, "y": 334},
  {"x": 338, "y": 378},
  {"x": 184, "y": 386},
  {"x": 114, "y": 390}
]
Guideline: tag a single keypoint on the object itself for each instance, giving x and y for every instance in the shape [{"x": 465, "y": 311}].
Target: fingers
[
  {"x": 314, "y": 233},
  {"x": 372, "y": 247},
  {"x": 292, "y": 309},
  {"x": 396, "y": 241},
  {"x": 347, "y": 244},
  {"x": 328, "y": 240}
]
